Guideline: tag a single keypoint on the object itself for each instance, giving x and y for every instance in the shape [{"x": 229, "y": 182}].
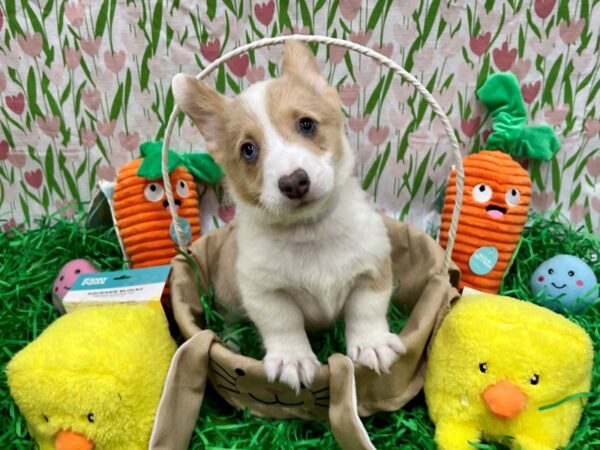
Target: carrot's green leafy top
[
  {"x": 201, "y": 165},
  {"x": 501, "y": 94}
]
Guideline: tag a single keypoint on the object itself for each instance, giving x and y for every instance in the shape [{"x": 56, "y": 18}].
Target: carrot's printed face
[
  {"x": 154, "y": 192},
  {"x": 496, "y": 199},
  {"x": 497, "y": 188}
]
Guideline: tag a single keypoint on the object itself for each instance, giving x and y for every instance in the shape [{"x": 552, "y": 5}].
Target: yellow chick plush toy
[
  {"x": 495, "y": 364},
  {"x": 93, "y": 379}
]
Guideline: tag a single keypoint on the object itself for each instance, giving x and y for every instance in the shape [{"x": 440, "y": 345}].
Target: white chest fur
[{"x": 315, "y": 265}]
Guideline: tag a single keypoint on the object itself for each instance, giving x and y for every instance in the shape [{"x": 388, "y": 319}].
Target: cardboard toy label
[{"x": 124, "y": 286}]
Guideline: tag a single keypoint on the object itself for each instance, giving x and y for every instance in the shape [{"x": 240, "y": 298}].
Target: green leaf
[
  {"x": 284, "y": 17},
  {"x": 117, "y": 102},
  {"x": 304, "y": 11},
  {"x": 47, "y": 9},
  {"x": 552, "y": 76},
  {"x": 582, "y": 164},
  {"x": 32, "y": 94},
  {"x": 11, "y": 17},
  {"x": 532, "y": 24},
  {"x": 127, "y": 88},
  {"x": 65, "y": 94},
  {"x": 61, "y": 17},
  {"x": 78, "y": 99},
  {"x": 593, "y": 93},
  {"x": 211, "y": 8},
  {"x": 220, "y": 84},
  {"x": 575, "y": 194},
  {"x": 156, "y": 25},
  {"x": 232, "y": 84},
  {"x": 521, "y": 46},
  {"x": 555, "y": 179},
  {"x": 371, "y": 173},
  {"x": 92, "y": 177},
  {"x": 348, "y": 62},
  {"x": 169, "y": 103},
  {"x": 376, "y": 14},
  {"x": 483, "y": 73},
  {"x": 33, "y": 19},
  {"x": 49, "y": 172},
  {"x": 584, "y": 82},
  {"x": 319, "y": 5},
  {"x": 375, "y": 96},
  {"x": 101, "y": 21},
  {"x": 420, "y": 174},
  {"x": 332, "y": 12},
  {"x": 563, "y": 10},
  {"x": 81, "y": 168},
  {"x": 25, "y": 209},
  {"x": 432, "y": 14},
  {"x": 71, "y": 184},
  {"x": 144, "y": 71}
]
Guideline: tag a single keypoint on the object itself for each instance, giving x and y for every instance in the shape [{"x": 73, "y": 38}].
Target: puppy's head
[{"x": 281, "y": 142}]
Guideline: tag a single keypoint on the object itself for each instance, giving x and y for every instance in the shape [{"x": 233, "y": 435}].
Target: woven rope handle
[{"x": 387, "y": 62}]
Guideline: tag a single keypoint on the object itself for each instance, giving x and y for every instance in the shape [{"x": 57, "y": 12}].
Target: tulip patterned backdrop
[{"x": 83, "y": 83}]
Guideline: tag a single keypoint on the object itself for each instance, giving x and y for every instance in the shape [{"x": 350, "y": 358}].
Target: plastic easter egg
[
  {"x": 66, "y": 277},
  {"x": 565, "y": 282}
]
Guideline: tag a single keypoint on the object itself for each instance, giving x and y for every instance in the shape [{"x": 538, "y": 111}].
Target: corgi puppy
[{"x": 310, "y": 247}]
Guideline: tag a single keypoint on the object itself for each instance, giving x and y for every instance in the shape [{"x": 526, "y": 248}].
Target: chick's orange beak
[
  {"x": 504, "y": 399},
  {"x": 69, "y": 440}
]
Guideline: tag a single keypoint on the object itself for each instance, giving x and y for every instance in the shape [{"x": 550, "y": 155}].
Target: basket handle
[{"x": 387, "y": 62}]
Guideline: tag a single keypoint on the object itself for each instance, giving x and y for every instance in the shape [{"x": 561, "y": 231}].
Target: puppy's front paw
[
  {"x": 291, "y": 369},
  {"x": 376, "y": 351}
]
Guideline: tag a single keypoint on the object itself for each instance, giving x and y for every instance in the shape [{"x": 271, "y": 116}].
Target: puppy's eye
[
  {"x": 535, "y": 379},
  {"x": 307, "y": 126},
  {"x": 91, "y": 418},
  {"x": 249, "y": 152},
  {"x": 483, "y": 367}
]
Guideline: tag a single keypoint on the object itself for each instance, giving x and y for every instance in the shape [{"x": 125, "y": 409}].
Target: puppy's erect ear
[
  {"x": 299, "y": 61},
  {"x": 204, "y": 105}
]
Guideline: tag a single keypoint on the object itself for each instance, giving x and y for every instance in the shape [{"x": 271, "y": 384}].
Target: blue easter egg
[{"x": 565, "y": 282}]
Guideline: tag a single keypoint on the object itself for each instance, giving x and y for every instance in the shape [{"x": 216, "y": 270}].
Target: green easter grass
[{"x": 29, "y": 262}]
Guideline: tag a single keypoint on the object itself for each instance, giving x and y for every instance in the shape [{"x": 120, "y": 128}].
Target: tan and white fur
[{"x": 309, "y": 253}]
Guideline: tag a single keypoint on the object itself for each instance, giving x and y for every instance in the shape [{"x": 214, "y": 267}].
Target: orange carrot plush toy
[
  {"x": 497, "y": 189},
  {"x": 141, "y": 208}
]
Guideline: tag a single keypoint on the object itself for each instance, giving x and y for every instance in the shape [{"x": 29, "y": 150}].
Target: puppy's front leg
[
  {"x": 368, "y": 338},
  {"x": 280, "y": 322}
]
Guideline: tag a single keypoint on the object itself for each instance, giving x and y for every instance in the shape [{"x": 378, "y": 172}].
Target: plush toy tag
[
  {"x": 483, "y": 260},
  {"x": 124, "y": 286}
]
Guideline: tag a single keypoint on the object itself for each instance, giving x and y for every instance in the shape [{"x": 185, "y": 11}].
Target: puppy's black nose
[{"x": 294, "y": 185}]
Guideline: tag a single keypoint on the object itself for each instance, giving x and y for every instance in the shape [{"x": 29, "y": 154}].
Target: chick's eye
[
  {"x": 483, "y": 367},
  {"x": 183, "y": 190},
  {"x": 249, "y": 152},
  {"x": 307, "y": 126},
  {"x": 91, "y": 418},
  {"x": 46, "y": 419},
  {"x": 535, "y": 379}
]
